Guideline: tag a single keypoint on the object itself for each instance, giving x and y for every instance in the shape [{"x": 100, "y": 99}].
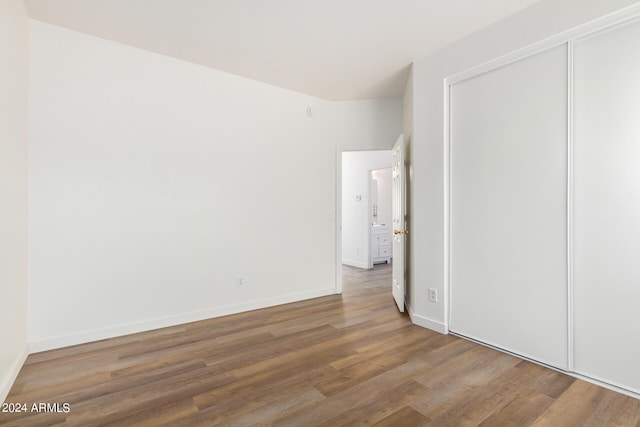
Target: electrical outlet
[
  {"x": 433, "y": 295},
  {"x": 240, "y": 282}
]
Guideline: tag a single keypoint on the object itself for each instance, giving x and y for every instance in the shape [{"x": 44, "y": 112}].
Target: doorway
[{"x": 355, "y": 197}]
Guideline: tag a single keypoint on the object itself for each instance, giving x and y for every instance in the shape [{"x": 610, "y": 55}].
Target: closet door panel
[
  {"x": 607, "y": 206},
  {"x": 508, "y": 226}
]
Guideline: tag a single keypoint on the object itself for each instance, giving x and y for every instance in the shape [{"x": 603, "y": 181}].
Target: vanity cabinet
[{"x": 380, "y": 244}]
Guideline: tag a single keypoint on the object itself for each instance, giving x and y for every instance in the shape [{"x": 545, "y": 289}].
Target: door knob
[{"x": 406, "y": 232}]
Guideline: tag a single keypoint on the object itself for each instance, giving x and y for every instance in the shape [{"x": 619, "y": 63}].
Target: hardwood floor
[{"x": 331, "y": 361}]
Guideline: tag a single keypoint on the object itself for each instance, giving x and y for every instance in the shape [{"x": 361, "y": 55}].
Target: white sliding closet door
[
  {"x": 508, "y": 262},
  {"x": 607, "y": 206}
]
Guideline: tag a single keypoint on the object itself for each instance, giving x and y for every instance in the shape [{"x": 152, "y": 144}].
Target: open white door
[{"x": 398, "y": 218}]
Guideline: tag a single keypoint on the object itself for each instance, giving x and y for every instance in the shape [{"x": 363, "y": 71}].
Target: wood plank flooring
[{"x": 332, "y": 361}]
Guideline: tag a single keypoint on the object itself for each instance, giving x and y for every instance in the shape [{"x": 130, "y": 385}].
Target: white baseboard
[
  {"x": 355, "y": 263},
  {"x": 425, "y": 322},
  {"x": 8, "y": 380},
  {"x": 147, "y": 325}
]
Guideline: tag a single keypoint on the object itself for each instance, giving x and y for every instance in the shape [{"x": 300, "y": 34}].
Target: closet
[
  {"x": 508, "y": 207},
  {"x": 606, "y": 206},
  {"x": 544, "y": 205}
]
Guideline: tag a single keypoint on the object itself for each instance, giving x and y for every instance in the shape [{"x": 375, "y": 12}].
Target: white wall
[
  {"x": 356, "y": 167},
  {"x": 155, "y": 183},
  {"x": 367, "y": 124},
  {"x": 13, "y": 190},
  {"x": 541, "y": 20}
]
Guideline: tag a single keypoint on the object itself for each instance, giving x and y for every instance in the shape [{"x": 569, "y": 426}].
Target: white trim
[
  {"x": 7, "y": 381},
  {"x": 425, "y": 322},
  {"x": 570, "y": 287},
  {"x": 634, "y": 18},
  {"x": 147, "y": 325},
  {"x": 619, "y": 17},
  {"x": 369, "y": 218},
  {"x": 446, "y": 294},
  {"x": 338, "y": 221},
  {"x": 358, "y": 264}
]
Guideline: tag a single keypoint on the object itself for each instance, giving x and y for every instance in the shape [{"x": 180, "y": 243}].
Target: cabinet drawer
[
  {"x": 385, "y": 240},
  {"x": 384, "y": 250}
]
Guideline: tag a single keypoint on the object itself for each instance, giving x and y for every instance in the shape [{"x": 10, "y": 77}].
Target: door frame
[
  {"x": 370, "y": 189},
  {"x": 338, "y": 209}
]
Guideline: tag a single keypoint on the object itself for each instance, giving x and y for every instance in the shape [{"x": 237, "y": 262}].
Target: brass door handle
[{"x": 406, "y": 232}]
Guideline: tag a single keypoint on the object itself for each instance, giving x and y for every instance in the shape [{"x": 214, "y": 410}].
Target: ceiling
[{"x": 333, "y": 49}]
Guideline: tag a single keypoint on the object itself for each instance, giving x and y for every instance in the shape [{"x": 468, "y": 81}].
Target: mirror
[
  {"x": 374, "y": 200},
  {"x": 380, "y": 196}
]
